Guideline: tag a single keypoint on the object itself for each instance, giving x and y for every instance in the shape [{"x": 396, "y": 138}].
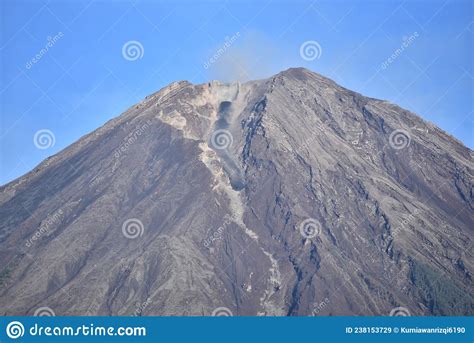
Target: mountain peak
[{"x": 268, "y": 197}]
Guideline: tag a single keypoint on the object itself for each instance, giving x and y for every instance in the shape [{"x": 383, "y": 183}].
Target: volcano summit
[{"x": 285, "y": 196}]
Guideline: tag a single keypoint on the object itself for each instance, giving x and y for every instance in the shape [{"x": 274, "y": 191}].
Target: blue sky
[{"x": 84, "y": 77}]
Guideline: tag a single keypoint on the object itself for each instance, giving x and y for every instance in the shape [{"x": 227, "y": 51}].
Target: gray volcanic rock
[{"x": 284, "y": 196}]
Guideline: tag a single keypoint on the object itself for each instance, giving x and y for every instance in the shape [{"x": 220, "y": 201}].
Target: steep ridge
[{"x": 284, "y": 196}]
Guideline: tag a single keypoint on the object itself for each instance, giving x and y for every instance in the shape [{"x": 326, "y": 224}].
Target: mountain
[{"x": 285, "y": 196}]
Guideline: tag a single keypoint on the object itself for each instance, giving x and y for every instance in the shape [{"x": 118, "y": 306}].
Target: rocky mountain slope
[{"x": 284, "y": 196}]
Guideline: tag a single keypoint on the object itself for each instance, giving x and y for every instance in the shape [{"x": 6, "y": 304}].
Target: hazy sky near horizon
[{"x": 69, "y": 66}]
